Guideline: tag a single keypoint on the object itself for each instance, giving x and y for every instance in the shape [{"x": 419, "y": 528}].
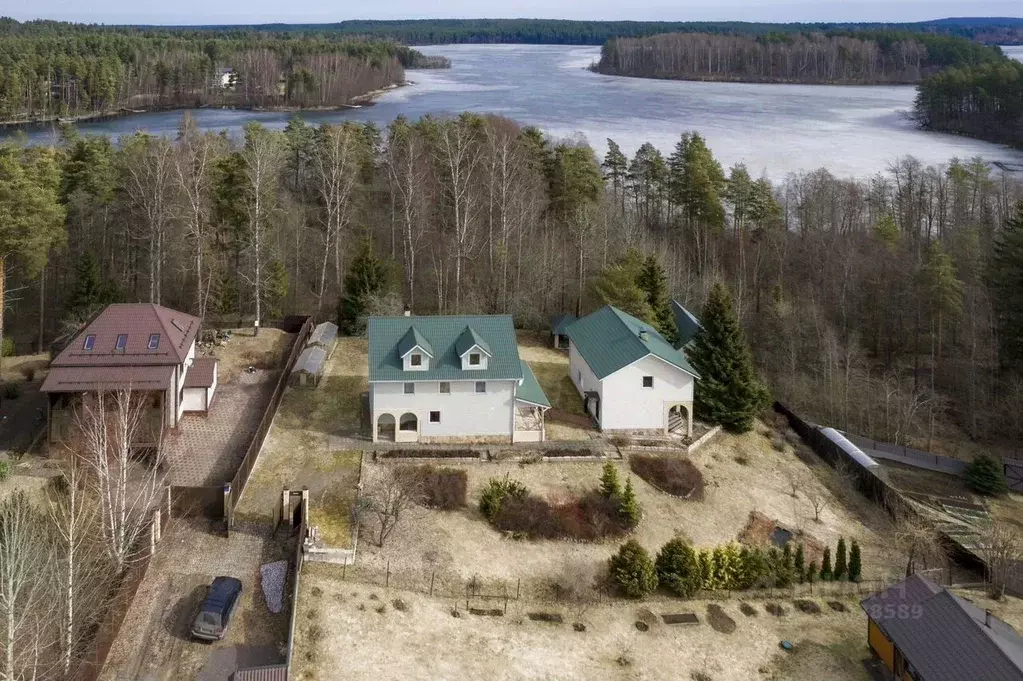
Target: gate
[{"x": 1014, "y": 475}]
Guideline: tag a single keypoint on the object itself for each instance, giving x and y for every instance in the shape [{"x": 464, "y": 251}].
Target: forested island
[
  {"x": 991, "y": 30},
  {"x": 859, "y": 57},
  {"x": 54, "y": 70},
  {"x": 983, "y": 101}
]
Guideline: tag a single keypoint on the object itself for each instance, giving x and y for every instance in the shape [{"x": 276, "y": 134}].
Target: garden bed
[{"x": 672, "y": 475}]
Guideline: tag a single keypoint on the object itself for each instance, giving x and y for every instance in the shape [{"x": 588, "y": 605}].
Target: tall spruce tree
[
  {"x": 855, "y": 562},
  {"x": 1005, "y": 276},
  {"x": 728, "y": 391},
  {"x": 655, "y": 283},
  {"x": 367, "y": 277},
  {"x": 841, "y": 566},
  {"x": 90, "y": 291}
]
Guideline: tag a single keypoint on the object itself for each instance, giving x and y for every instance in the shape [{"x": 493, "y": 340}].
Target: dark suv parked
[{"x": 215, "y": 614}]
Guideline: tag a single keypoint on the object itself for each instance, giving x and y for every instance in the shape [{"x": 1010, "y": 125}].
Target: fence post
[
  {"x": 387, "y": 578},
  {"x": 344, "y": 568},
  {"x": 432, "y": 575},
  {"x": 156, "y": 525},
  {"x": 228, "y": 508},
  {"x": 518, "y": 586}
]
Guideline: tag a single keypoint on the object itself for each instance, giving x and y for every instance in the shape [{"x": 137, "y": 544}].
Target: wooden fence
[
  {"x": 206, "y": 502},
  {"x": 242, "y": 476},
  {"x": 121, "y": 597}
]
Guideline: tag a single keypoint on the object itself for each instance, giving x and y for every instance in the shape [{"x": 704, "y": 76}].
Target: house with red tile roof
[{"x": 145, "y": 348}]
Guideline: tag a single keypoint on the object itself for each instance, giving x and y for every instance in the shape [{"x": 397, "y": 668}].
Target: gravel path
[{"x": 272, "y": 577}]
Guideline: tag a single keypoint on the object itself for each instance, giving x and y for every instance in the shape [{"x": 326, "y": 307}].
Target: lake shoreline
[
  {"x": 356, "y": 102},
  {"x": 595, "y": 68}
]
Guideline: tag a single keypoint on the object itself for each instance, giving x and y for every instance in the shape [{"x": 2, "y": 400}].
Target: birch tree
[
  {"x": 408, "y": 172},
  {"x": 263, "y": 156},
  {"x": 147, "y": 174}
]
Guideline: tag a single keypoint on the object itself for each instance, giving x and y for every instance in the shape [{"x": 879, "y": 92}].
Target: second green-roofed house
[{"x": 451, "y": 379}]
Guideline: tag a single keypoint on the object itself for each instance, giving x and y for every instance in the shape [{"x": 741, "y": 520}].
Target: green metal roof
[
  {"x": 412, "y": 339},
  {"x": 686, "y": 322},
  {"x": 470, "y": 339},
  {"x": 387, "y": 336},
  {"x": 608, "y": 340},
  {"x": 529, "y": 390},
  {"x": 560, "y": 322}
]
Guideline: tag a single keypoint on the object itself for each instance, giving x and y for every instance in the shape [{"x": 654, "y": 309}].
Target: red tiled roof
[
  {"x": 138, "y": 321},
  {"x": 87, "y": 379},
  {"x": 201, "y": 373}
]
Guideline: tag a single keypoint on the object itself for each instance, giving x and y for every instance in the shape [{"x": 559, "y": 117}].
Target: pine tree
[
  {"x": 706, "y": 559},
  {"x": 728, "y": 391},
  {"x": 615, "y": 165},
  {"x": 632, "y": 570},
  {"x": 276, "y": 289},
  {"x": 840, "y": 561},
  {"x": 798, "y": 564},
  {"x": 90, "y": 291},
  {"x": 655, "y": 283},
  {"x": 785, "y": 567},
  {"x": 367, "y": 277},
  {"x": 811, "y": 572},
  {"x": 618, "y": 285},
  {"x": 826, "y": 573},
  {"x": 678, "y": 568},
  {"x": 610, "y": 485},
  {"x": 1005, "y": 277},
  {"x": 855, "y": 566},
  {"x": 984, "y": 476},
  {"x": 628, "y": 506}
]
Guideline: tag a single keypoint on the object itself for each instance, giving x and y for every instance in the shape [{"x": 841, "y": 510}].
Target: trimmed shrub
[
  {"x": 610, "y": 485},
  {"x": 841, "y": 564},
  {"x": 5, "y": 470},
  {"x": 678, "y": 568},
  {"x": 442, "y": 488},
  {"x": 632, "y": 571},
  {"x": 984, "y": 476},
  {"x": 811, "y": 572},
  {"x": 676, "y": 476},
  {"x": 7, "y": 349},
  {"x": 798, "y": 564},
  {"x": 11, "y": 391},
  {"x": 855, "y": 564},
  {"x": 589, "y": 518},
  {"x": 495, "y": 494}
]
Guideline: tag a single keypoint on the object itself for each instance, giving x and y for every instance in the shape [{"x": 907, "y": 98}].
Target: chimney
[
  {"x": 643, "y": 335},
  {"x": 408, "y": 311},
  {"x": 987, "y": 618}
]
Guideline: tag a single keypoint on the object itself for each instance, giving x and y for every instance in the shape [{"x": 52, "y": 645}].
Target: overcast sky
[{"x": 321, "y": 11}]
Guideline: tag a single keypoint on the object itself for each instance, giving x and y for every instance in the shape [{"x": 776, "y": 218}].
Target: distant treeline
[
  {"x": 1004, "y": 31},
  {"x": 50, "y": 69},
  {"x": 835, "y": 57},
  {"x": 984, "y": 101}
]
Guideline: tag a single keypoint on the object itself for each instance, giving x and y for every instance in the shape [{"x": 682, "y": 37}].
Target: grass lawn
[
  {"x": 298, "y": 449},
  {"x": 17, "y": 367},
  {"x": 551, "y": 369}
]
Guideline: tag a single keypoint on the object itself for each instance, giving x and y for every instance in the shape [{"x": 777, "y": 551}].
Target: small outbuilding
[
  {"x": 559, "y": 326},
  {"x": 200, "y": 385},
  {"x": 309, "y": 366},
  {"x": 324, "y": 336}
]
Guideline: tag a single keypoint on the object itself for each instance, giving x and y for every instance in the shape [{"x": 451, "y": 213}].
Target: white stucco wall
[
  {"x": 463, "y": 413},
  {"x": 627, "y": 405},
  {"x": 178, "y": 405},
  {"x": 194, "y": 399},
  {"x": 582, "y": 377}
]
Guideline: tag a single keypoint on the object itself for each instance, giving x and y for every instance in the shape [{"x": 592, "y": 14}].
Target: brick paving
[
  {"x": 207, "y": 450},
  {"x": 154, "y": 643}
]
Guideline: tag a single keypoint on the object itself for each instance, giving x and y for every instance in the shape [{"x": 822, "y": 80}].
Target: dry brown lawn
[
  {"x": 265, "y": 351},
  {"x": 460, "y": 544},
  {"x": 298, "y": 450},
  {"x": 351, "y": 626},
  {"x": 15, "y": 368}
]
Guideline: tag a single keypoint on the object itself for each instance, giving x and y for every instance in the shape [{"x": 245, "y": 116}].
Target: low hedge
[{"x": 429, "y": 454}]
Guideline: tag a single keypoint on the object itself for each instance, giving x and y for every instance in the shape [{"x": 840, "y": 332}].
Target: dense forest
[
  {"x": 836, "y": 57},
  {"x": 1003, "y": 31},
  {"x": 50, "y": 69},
  {"x": 984, "y": 101},
  {"x": 888, "y": 306}
]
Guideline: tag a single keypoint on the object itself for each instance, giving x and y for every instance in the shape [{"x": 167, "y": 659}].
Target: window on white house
[
  {"x": 445, "y": 388},
  {"x": 90, "y": 342},
  {"x": 410, "y": 388},
  {"x": 474, "y": 359},
  {"x": 122, "y": 342},
  {"x": 417, "y": 360},
  {"x": 648, "y": 381},
  {"x": 481, "y": 387},
  {"x": 154, "y": 341},
  {"x": 434, "y": 417}
]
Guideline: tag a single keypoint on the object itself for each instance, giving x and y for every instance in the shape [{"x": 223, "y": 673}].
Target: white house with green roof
[
  {"x": 451, "y": 379},
  {"x": 630, "y": 378}
]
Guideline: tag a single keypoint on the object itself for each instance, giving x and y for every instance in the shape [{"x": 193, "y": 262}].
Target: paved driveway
[{"x": 154, "y": 644}]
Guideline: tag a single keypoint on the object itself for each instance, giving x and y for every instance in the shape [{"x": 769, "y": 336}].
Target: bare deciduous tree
[
  {"x": 817, "y": 498},
  {"x": 1001, "y": 547},
  {"x": 264, "y": 157},
  {"x": 390, "y": 498},
  {"x": 127, "y": 488},
  {"x": 920, "y": 542}
]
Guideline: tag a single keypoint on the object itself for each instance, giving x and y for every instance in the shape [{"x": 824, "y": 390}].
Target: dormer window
[
  {"x": 474, "y": 359},
  {"x": 90, "y": 343},
  {"x": 154, "y": 341},
  {"x": 122, "y": 342},
  {"x": 416, "y": 360}
]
